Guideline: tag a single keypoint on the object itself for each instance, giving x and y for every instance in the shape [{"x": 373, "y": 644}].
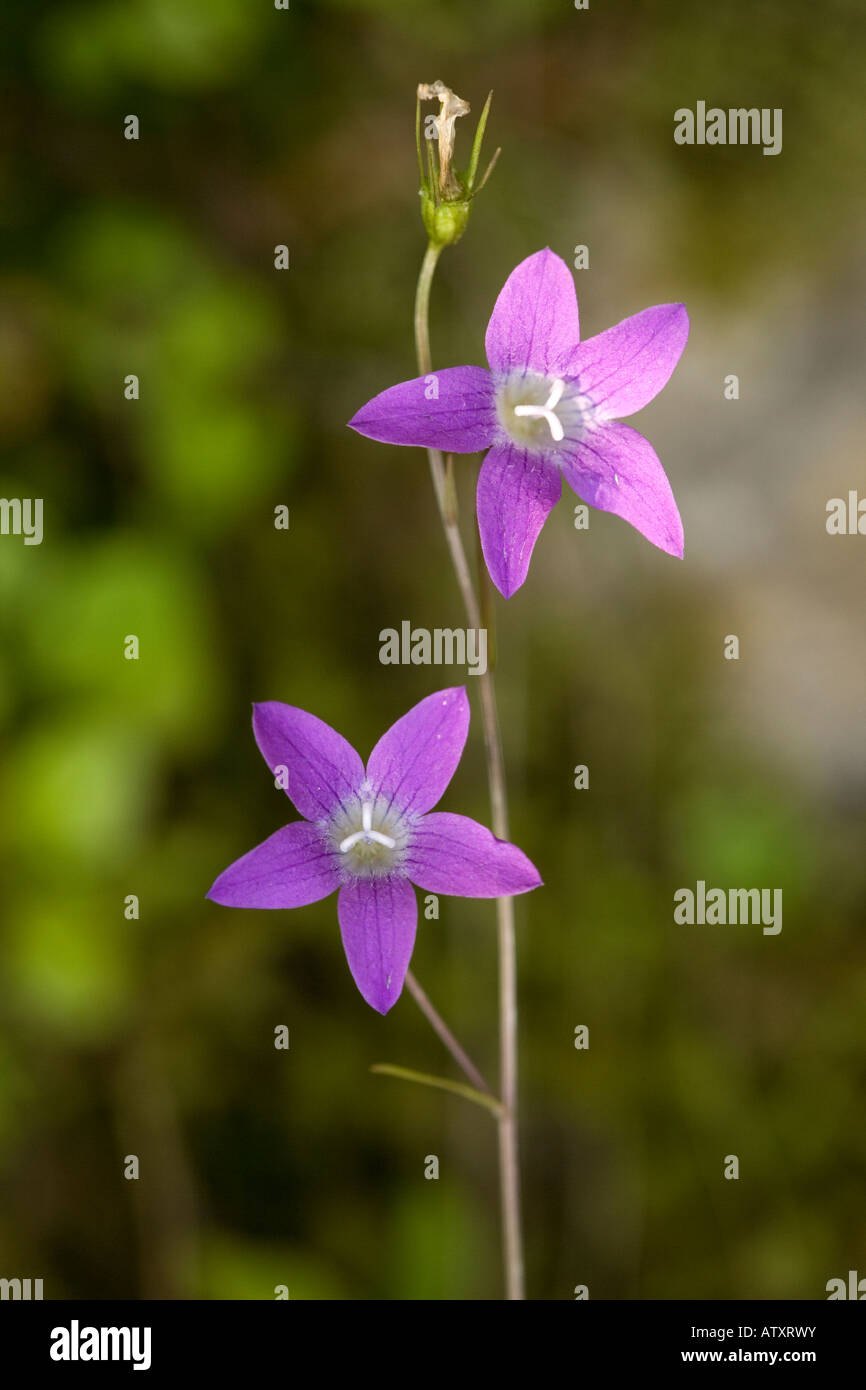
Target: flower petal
[
  {"x": 292, "y": 868},
  {"x": 453, "y": 854},
  {"x": 534, "y": 324},
  {"x": 323, "y": 769},
  {"x": 624, "y": 367},
  {"x": 378, "y": 917},
  {"x": 452, "y": 409},
  {"x": 516, "y": 494},
  {"x": 615, "y": 469},
  {"x": 415, "y": 760}
]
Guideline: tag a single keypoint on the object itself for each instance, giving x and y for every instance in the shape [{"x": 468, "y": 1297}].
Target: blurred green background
[{"x": 155, "y": 1036}]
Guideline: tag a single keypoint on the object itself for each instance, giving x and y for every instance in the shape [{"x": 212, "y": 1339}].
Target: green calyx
[
  {"x": 446, "y": 193},
  {"x": 444, "y": 223}
]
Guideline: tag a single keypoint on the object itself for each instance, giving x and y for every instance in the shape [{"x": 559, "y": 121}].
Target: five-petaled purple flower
[
  {"x": 548, "y": 408},
  {"x": 367, "y": 832}
]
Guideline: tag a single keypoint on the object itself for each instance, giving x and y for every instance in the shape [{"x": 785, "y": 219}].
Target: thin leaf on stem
[
  {"x": 476, "y": 145},
  {"x": 488, "y": 171},
  {"x": 440, "y": 1083},
  {"x": 418, "y": 141}
]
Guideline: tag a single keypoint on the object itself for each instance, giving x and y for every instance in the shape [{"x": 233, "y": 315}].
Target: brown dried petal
[{"x": 450, "y": 107}]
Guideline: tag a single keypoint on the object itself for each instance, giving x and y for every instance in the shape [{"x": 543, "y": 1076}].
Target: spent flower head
[
  {"x": 368, "y": 834},
  {"x": 446, "y": 194}
]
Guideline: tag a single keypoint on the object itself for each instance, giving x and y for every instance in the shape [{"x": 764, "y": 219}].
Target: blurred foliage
[{"x": 154, "y": 1035}]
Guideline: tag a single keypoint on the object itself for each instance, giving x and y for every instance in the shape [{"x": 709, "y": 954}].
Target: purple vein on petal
[
  {"x": 652, "y": 492},
  {"x": 440, "y": 722},
  {"x": 323, "y": 768}
]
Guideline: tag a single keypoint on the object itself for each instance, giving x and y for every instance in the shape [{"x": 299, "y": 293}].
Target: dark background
[{"x": 155, "y": 1036}]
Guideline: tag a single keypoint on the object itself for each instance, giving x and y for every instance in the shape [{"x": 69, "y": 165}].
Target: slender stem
[
  {"x": 441, "y": 1027},
  {"x": 437, "y": 463},
  {"x": 509, "y": 1158},
  {"x": 508, "y": 1149}
]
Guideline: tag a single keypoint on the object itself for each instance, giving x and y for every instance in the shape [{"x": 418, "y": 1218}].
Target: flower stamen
[
  {"x": 367, "y": 833},
  {"x": 546, "y": 411}
]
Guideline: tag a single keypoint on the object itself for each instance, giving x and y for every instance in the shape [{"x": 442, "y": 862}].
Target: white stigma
[
  {"x": 367, "y": 833},
  {"x": 545, "y": 412}
]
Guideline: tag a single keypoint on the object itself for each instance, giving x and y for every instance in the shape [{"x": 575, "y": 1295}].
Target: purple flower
[
  {"x": 548, "y": 408},
  {"x": 367, "y": 832}
]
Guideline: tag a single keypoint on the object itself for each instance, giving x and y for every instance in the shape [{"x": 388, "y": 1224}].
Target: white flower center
[
  {"x": 545, "y": 412},
  {"x": 539, "y": 412},
  {"x": 366, "y": 832},
  {"x": 370, "y": 834}
]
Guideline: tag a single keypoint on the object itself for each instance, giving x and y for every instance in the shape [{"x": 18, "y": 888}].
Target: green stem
[
  {"x": 508, "y": 1148},
  {"x": 440, "y": 1027},
  {"x": 437, "y": 462}
]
